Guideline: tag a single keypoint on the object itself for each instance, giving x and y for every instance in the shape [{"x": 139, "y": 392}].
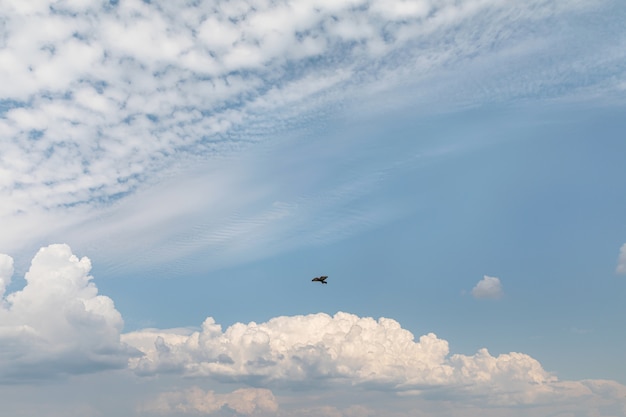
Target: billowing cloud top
[
  {"x": 57, "y": 324},
  {"x": 318, "y": 349}
]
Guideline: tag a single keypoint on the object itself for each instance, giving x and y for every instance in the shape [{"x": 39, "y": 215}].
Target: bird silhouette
[{"x": 321, "y": 279}]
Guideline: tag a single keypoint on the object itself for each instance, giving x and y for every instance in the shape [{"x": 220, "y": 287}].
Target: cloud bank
[
  {"x": 317, "y": 350},
  {"x": 245, "y": 401},
  {"x": 488, "y": 287},
  {"x": 57, "y": 324}
]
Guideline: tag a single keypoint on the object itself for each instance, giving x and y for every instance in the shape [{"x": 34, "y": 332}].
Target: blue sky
[{"x": 173, "y": 176}]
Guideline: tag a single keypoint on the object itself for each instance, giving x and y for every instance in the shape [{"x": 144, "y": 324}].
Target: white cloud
[
  {"x": 101, "y": 94},
  {"x": 621, "y": 260},
  {"x": 244, "y": 401},
  {"x": 319, "y": 350},
  {"x": 6, "y": 272},
  {"x": 488, "y": 287},
  {"x": 299, "y": 348},
  {"x": 58, "y": 324}
]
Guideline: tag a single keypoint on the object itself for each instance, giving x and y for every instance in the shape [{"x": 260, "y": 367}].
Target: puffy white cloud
[
  {"x": 244, "y": 401},
  {"x": 58, "y": 324},
  {"x": 319, "y": 349},
  {"x": 298, "y": 348},
  {"x": 488, "y": 287},
  {"x": 621, "y": 260}
]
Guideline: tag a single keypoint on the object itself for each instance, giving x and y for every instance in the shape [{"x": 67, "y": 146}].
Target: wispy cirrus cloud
[{"x": 235, "y": 211}]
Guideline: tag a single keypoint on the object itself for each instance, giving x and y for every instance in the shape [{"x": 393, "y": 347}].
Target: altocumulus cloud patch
[
  {"x": 57, "y": 324},
  {"x": 145, "y": 80}
]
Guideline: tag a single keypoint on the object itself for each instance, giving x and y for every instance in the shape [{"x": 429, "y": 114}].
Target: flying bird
[{"x": 321, "y": 279}]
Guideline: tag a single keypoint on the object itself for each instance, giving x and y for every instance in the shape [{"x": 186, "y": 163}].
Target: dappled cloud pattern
[
  {"x": 104, "y": 93},
  {"x": 58, "y": 325}
]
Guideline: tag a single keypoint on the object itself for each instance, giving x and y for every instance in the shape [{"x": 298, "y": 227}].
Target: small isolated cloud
[
  {"x": 488, "y": 287},
  {"x": 57, "y": 324},
  {"x": 621, "y": 260},
  {"x": 245, "y": 401}
]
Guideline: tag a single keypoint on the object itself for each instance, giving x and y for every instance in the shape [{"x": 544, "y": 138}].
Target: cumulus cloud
[
  {"x": 621, "y": 260},
  {"x": 319, "y": 349},
  {"x": 488, "y": 287},
  {"x": 244, "y": 401},
  {"x": 58, "y": 324}
]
